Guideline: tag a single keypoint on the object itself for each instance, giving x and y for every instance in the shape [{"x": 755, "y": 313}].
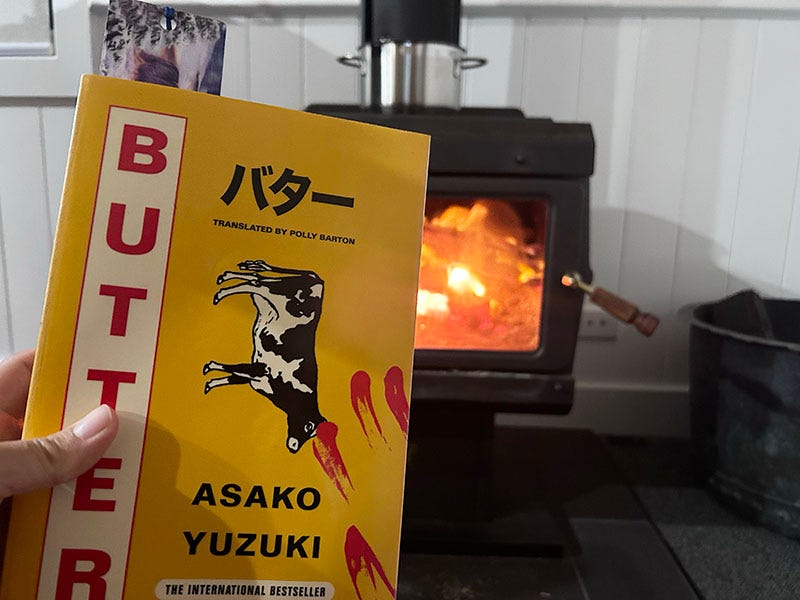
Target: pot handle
[
  {"x": 350, "y": 60},
  {"x": 471, "y": 62}
]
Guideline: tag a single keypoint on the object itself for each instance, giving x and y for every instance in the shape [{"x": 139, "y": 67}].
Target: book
[{"x": 239, "y": 282}]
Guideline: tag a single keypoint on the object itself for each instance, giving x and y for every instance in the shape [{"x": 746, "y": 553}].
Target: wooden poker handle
[{"x": 623, "y": 310}]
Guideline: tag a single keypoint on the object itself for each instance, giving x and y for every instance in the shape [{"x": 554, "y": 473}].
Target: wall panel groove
[
  {"x": 325, "y": 80},
  {"x": 662, "y": 114},
  {"x": 769, "y": 164},
  {"x": 605, "y": 99},
  {"x": 43, "y": 150},
  {"x": 729, "y": 286},
  {"x": 713, "y": 156},
  {"x": 6, "y": 329},
  {"x": 276, "y": 58},
  {"x": 26, "y": 231},
  {"x": 791, "y": 269},
  {"x": 789, "y": 259},
  {"x": 237, "y": 73},
  {"x": 56, "y": 132}
]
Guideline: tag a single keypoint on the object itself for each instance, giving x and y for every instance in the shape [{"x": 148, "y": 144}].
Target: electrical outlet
[{"x": 597, "y": 325}]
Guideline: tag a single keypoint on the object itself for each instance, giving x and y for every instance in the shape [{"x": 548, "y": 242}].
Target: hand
[{"x": 47, "y": 461}]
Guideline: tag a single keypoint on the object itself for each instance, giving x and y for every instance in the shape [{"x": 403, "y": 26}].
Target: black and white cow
[{"x": 283, "y": 366}]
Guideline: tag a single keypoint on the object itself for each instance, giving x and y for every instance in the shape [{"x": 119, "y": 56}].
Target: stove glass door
[{"x": 481, "y": 274}]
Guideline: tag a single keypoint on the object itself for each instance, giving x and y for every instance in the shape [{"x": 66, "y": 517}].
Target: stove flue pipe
[{"x": 410, "y": 21}]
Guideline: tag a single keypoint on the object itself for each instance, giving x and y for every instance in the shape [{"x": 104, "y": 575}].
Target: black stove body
[
  {"x": 459, "y": 475},
  {"x": 541, "y": 168}
]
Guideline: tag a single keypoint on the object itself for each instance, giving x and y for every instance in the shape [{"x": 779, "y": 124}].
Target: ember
[{"x": 480, "y": 277}]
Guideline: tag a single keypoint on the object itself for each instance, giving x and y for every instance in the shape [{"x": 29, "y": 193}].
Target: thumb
[{"x": 29, "y": 465}]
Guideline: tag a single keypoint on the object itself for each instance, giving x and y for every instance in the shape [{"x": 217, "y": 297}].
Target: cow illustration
[{"x": 283, "y": 367}]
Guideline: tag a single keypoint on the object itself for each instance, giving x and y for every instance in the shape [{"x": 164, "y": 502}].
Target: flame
[
  {"x": 429, "y": 303},
  {"x": 527, "y": 273},
  {"x": 461, "y": 280},
  {"x": 481, "y": 273}
]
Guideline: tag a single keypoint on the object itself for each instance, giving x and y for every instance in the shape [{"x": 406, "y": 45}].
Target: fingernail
[{"x": 93, "y": 423}]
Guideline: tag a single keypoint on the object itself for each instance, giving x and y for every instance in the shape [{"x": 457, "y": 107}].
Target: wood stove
[
  {"x": 505, "y": 249},
  {"x": 507, "y": 216}
]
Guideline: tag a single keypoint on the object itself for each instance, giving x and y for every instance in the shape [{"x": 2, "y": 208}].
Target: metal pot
[{"x": 405, "y": 75}]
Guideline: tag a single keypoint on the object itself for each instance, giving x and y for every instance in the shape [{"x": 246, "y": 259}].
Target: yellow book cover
[{"x": 239, "y": 282}]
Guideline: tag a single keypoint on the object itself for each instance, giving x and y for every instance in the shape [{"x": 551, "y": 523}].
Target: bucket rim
[{"x": 697, "y": 321}]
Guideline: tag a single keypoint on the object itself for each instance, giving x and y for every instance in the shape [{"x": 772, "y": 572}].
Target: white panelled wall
[{"x": 695, "y": 196}]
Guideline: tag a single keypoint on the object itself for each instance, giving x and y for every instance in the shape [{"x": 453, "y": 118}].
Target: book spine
[{"x": 102, "y": 323}]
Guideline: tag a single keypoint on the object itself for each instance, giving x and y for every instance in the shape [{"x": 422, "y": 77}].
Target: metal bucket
[
  {"x": 745, "y": 398},
  {"x": 397, "y": 76}
]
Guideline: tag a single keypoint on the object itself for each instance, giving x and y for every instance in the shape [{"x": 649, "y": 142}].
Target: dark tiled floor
[
  {"x": 726, "y": 556},
  {"x": 663, "y": 536},
  {"x": 610, "y": 549}
]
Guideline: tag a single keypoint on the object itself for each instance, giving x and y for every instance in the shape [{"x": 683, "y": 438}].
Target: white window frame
[{"x": 57, "y": 75}]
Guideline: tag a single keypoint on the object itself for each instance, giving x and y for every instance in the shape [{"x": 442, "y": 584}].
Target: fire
[
  {"x": 480, "y": 278},
  {"x": 462, "y": 281},
  {"x": 431, "y": 303}
]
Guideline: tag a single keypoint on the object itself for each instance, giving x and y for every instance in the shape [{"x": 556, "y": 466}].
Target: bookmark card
[{"x": 145, "y": 42}]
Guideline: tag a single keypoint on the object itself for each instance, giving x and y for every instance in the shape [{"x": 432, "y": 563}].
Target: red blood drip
[
  {"x": 361, "y": 558},
  {"x": 396, "y": 397},
  {"x": 361, "y": 398},
  {"x": 329, "y": 457}
]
